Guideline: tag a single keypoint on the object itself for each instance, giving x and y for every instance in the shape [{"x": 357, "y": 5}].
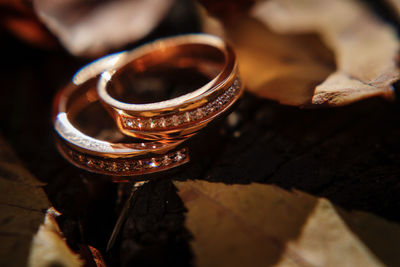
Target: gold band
[
  {"x": 184, "y": 115},
  {"x": 159, "y": 129},
  {"x": 102, "y": 156}
]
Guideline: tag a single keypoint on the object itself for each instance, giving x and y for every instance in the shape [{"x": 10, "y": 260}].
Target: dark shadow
[
  {"x": 379, "y": 236},
  {"x": 154, "y": 233}
]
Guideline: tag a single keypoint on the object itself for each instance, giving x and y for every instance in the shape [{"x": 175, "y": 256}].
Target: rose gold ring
[
  {"x": 102, "y": 149},
  {"x": 175, "y": 117}
]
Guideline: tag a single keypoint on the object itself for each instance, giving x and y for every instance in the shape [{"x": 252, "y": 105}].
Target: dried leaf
[
  {"x": 23, "y": 206},
  {"x": 49, "y": 248},
  {"x": 90, "y": 29},
  {"x": 279, "y": 67},
  {"x": 366, "y": 49},
  {"x": 263, "y": 225}
]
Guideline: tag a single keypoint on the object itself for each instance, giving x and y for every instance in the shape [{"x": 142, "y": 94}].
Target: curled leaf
[{"x": 365, "y": 48}]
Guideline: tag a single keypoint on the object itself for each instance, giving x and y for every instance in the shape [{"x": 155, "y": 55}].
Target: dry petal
[
  {"x": 90, "y": 29},
  {"x": 263, "y": 225},
  {"x": 49, "y": 248},
  {"x": 365, "y": 48}
]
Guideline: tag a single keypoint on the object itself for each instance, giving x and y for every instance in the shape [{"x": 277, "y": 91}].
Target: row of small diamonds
[
  {"x": 129, "y": 166},
  {"x": 186, "y": 117}
]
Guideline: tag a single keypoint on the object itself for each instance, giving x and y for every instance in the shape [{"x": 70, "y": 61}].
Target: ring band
[
  {"x": 183, "y": 116},
  {"x": 92, "y": 154}
]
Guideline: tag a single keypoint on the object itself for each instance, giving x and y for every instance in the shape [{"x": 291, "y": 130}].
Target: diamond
[
  {"x": 114, "y": 166},
  {"x": 231, "y": 92},
  {"x": 200, "y": 113},
  {"x": 90, "y": 163},
  {"x": 152, "y": 124},
  {"x": 153, "y": 163},
  {"x": 145, "y": 123},
  {"x": 108, "y": 166},
  {"x": 205, "y": 110},
  {"x": 126, "y": 166},
  {"x": 131, "y": 165},
  {"x": 147, "y": 164},
  {"x": 182, "y": 119},
  {"x": 81, "y": 158},
  {"x": 187, "y": 117},
  {"x": 119, "y": 166},
  {"x": 222, "y": 100},
  {"x": 219, "y": 102},
  {"x": 213, "y": 106},
  {"x": 166, "y": 160},
  {"x": 129, "y": 123},
  {"x": 101, "y": 164},
  {"x": 139, "y": 164},
  {"x": 168, "y": 121},
  {"x": 193, "y": 115},
  {"x": 97, "y": 164},
  {"x": 139, "y": 123},
  {"x": 162, "y": 122},
  {"x": 159, "y": 122},
  {"x": 179, "y": 156},
  {"x": 175, "y": 120}
]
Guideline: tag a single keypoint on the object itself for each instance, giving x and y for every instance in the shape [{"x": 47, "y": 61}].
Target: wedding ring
[
  {"x": 104, "y": 151},
  {"x": 181, "y": 116}
]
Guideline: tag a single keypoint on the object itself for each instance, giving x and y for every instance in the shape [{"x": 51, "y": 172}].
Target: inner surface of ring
[
  {"x": 166, "y": 73},
  {"x": 88, "y": 115}
]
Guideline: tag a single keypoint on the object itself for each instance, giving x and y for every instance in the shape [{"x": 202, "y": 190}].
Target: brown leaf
[
  {"x": 23, "y": 206},
  {"x": 263, "y": 225},
  {"x": 279, "y": 67},
  {"x": 366, "y": 49},
  {"x": 93, "y": 28},
  {"x": 49, "y": 248}
]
